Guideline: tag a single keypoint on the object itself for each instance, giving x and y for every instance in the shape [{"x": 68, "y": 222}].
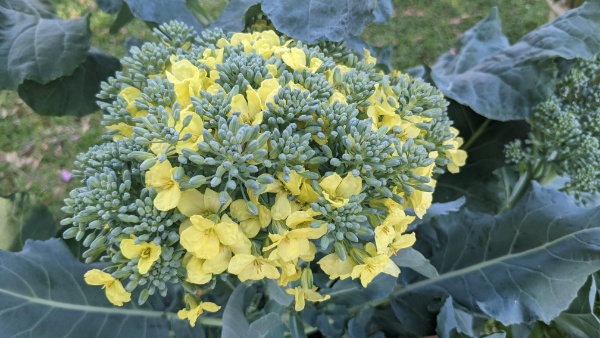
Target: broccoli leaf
[
  {"x": 22, "y": 217},
  {"x": 43, "y": 294},
  {"x": 110, "y": 6},
  {"x": 504, "y": 83},
  {"x": 74, "y": 94},
  {"x": 39, "y": 46},
  {"x": 315, "y": 21},
  {"x": 233, "y": 17},
  {"x": 163, "y": 11},
  {"x": 579, "y": 320},
  {"x": 521, "y": 266}
]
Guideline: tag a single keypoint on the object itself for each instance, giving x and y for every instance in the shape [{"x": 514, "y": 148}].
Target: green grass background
[{"x": 34, "y": 149}]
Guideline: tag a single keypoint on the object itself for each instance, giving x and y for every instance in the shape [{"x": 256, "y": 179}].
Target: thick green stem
[
  {"x": 518, "y": 191},
  {"x": 476, "y": 134}
]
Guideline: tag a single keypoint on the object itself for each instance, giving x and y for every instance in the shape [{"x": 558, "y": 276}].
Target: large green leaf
[
  {"x": 74, "y": 94},
  {"x": 233, "y": 17},
  {"x": 383, "y": 11},
  {"x": 579, "y": 319},
  {"x": 110, "y": 6},
  {"x": 269, "y": 326},
  {"x": 314, "y": 21},
  {"x": 43, "y": 294},
  {"x": 521, "y": 266},
  {"x": 505, "y": 84},
  {"x": 36, "y": 45},
  {"x": 475, "y": 45},
  {"x": 163, "y": 11},
  {"x": 22, "y": 217},
  {"x": 454, "y": 321},
  {"x": 41, "y": 8},
  {"x": 235, "y": 324}
]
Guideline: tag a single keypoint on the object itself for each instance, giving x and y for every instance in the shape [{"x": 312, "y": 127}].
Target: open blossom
[
  {"x": 147, "y": 253},
  {"x": 115, "y": 292}
]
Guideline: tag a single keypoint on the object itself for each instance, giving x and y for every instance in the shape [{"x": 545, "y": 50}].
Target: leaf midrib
[
  {"x": 482, "y": 265},
  {"x": 90, "y": 308}
]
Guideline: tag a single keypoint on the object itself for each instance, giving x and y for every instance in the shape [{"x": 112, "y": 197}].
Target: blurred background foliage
[{"x": 37, "y": 152}]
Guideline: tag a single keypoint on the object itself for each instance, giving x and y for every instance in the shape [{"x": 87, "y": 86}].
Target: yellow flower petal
[
  {"x": 282, "y": 208},
  {"x": 195, "y": 271},
  {"x": 330, "y": 184},
  {"x": 130, "y": 250},
  {"x": 349, "y": 186},
  {"x": 168, "y": 198},
  {"x": 191, "y": 203},
  {"x": 97, "y": 277},
  {"x": 116, "y": 294}
]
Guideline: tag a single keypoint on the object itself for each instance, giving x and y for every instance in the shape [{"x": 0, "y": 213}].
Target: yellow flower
[
  {"x": 337, "y": 191},
  {"x": 294, "y": 244},
  {"x": 204, "y": 237},
  {"x": 390, "y": 232},
  {"x": 250, "y": 110},
  {"x": 335, "y": 267},
  {"x": 249, "y": 267},
  {"x": 301, "y": 219},
  {"x": 194, "y": 267},
  {"x": 249, "y": 223},
  {"x": 407, "y": 124},
  {"x": 200, "y": 271},
  {"x": 301, "y": 295},
  {"x": 196, "y": 310},
  {"x": 160, "y": 177},
  {"x": 368, "y": 58},
  {"x": 115, "y": 292},
  {"x": 295, "y": 186},
  {"x": 420, "y": 201},
  {"x": 187, "y": 81},
  {"x": 267, "y": 90},
  {"x": 373, "y": 266},
  {"x": 206, "y": 205},
  {"x": 211, "y": 57},
  {"x": 458, "y": 156},
  {"x": 195, "y": 128},
  {"x": 296, "y": 59},
  {"x": 290, "y": 272},
  {"x": 148, "y": 253}
]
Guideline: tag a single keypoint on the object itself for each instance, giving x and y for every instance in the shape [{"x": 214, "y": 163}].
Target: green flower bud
[{"x": 147, "y": 164}]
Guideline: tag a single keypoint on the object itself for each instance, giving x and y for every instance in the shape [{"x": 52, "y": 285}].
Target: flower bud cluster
[
  {"x": 254, "y": 155},
  {"x": 565, "y": 132}
]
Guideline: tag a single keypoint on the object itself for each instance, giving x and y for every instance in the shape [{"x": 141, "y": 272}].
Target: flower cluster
[
  {"x": 565, "y": 133},
  {"x": 254, "y": 155}
]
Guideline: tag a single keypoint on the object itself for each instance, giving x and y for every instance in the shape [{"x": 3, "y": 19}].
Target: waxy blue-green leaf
[
  {"x": 505, "y": 83},
  {"x": 233, "y": 17},
  {"x": 411, "y": 258},
  {"x": 296, "y": 326},
  {"x": 40, "y": 46},
  {"x": 163, "y": 11},
  {"x": 110, "y": 6},
  {"x": 454, "y": 321},
  {"x": 23, "y": 217},
  {"x": 43, "y": 294},
  {"x": 278, "y": 293},
  {"x": 579, "y": 319},
  {"x": 521, "y": 266},
  {"x": 41, "y": 8},
  {"x": 269, "y": 326},
  {"x": 383, "y": 11},
  {"x": 314, "y": 21},
  {"x": 74, "y": 94},
  {"x": 235, "y": 324}
]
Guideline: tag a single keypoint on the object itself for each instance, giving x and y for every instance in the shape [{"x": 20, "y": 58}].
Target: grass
[{"x": 37, "y": 152}]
